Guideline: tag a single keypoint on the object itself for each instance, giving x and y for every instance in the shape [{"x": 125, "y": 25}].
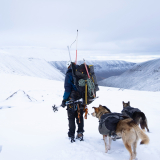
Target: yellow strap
[{"x": 93, "y": 79}]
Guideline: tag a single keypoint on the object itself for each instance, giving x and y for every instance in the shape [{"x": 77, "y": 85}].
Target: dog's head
[
  {"x": 126, "y": 104},
  {"x": 99, "y": 111}
]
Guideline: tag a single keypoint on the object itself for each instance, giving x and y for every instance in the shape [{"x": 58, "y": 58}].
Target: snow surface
[
  {"x": 30, "y": 130},
  {"x": 28, "y": 66},
  {"x": 142, "y": 76}
]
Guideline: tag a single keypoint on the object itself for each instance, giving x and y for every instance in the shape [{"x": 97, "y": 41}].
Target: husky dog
[
  {"x": 126, "y": 128},
  {"x": 134, "y": 113}
]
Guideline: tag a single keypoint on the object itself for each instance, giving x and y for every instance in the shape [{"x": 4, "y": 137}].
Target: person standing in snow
[{"x": 72, "y": 93}]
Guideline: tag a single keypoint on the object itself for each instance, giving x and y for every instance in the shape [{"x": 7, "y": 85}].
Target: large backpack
[{"x": 87, "y": 87}]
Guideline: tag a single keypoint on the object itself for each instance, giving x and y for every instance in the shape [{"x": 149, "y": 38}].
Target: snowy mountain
[
  {"x": 55, "y": 70},
  {"x": 29, "y": 67},
  {"x": 103, "y": 69},
  {"x": 143, "y": 76}
]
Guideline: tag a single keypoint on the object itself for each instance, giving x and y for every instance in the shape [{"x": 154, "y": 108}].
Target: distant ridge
[
  {"x": 55, "y": 70},
  {"x": 143, "y": 76},
  {"x": 103, "y": 69}
]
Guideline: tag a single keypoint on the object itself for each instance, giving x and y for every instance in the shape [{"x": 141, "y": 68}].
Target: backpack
[
  {"x": 129, "y": 111},
  {"x": 87, "y": 87},
  {"x": 108, "y": 123}
]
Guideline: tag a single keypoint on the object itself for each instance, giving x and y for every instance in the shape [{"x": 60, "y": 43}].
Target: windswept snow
[
  {"x": 32, "y": 131},
  {"x": 143, "y": 76},
  {"x": 28, "y": 67}
]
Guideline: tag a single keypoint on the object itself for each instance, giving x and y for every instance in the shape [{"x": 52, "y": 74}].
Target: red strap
[{"x": 86, "y": 69}]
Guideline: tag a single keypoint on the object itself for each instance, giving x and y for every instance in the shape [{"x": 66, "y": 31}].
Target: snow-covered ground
[{"x": 30, "y": 130}]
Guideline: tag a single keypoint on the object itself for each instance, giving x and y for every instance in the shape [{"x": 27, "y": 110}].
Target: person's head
[{"x": 68, "y": 64}]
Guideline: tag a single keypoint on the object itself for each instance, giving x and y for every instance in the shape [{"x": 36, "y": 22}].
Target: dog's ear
[
  {"x": 129, "y": 103},
  {"x": 100, "y": 105},
  {"x": 123, "y": 102}
]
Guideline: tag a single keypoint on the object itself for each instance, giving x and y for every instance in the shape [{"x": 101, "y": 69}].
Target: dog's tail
[
  {"x": 140, "y": 133},
  {"x": 143, "y": 121},
  {"x": 143, "y": 116}
]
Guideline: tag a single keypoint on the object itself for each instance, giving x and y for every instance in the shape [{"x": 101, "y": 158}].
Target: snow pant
[{"x": 72, "y": 116}]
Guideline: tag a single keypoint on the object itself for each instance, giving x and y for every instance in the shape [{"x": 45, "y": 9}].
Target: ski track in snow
[{"x": 30, "y": 130}]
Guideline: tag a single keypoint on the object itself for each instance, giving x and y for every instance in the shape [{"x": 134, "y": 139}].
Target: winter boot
[
  {"x": 79, "y": 136},
  {"x": 72, "y": 139}
]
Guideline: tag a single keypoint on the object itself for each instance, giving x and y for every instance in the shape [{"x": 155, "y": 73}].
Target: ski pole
[
  {"x": 55, "y": 108},
  {"x": 69, "y": 53},
  {"x": 76, "y": 47},
  {"x": 76, "y": 40}
]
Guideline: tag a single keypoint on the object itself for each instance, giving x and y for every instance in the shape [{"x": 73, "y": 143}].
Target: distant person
[{"x": 74, "y": 113}]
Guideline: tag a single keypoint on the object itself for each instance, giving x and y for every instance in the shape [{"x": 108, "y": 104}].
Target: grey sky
[{"x": 111, "y": 26}]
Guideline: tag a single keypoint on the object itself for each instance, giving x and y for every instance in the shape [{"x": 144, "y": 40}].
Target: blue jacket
[{"x": 68, "y": 85}]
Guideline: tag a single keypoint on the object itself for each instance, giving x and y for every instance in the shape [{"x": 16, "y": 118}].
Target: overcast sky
[{"x": 130, "y": 27}]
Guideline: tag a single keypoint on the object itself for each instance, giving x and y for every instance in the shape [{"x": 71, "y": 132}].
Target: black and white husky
[{"x": 134, "y": 113}]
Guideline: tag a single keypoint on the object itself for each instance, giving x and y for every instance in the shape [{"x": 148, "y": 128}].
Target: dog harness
[
  {"x": 129, "y": 111},
  {"x": 108, "y": 123}
]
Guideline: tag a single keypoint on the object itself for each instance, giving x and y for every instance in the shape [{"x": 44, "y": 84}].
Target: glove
[{"x": 63, "y": 103}]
